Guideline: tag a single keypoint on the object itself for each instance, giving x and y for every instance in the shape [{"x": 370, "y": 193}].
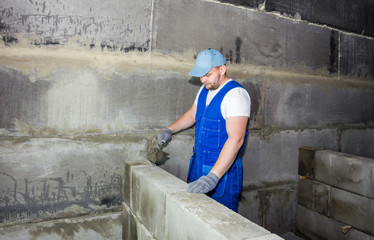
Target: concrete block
[
  {"x": 181, "y": 222},
  {"x": 352, "y": 209},
  {"x": 348, "y": 172},
  {"x": 127, "y": 183},
  {"x": 148, "y": 205},
  {"x": 259, "y": 39},
  {"x": 314, "y": 195},
  {"x": 109, "y": 106},
  {"x": 120, "y": 25},
  {"x": 272, "y": 208},
  {"x": 149, "y": 187},
  {"x": 356, "y": 56},
  {"x": 104, "y": 226},
  {"x": 311, "y": 46},
  {"x": 168, "y": 212},
  {"x": 347, "y": 15},
  {"x": 143, "y": 233},
  {"x": 316, "y": 226},
  {"x": 273, "y": 160},
  {"x": 129, "y": 228},
  {"x": 45, "y": 178},
  {"x": 238, "y": 44},
  {"x": 161, "y": 97},
  {"x": 358, "y": 142},
  {"x": 189, "y": 216},
  {"x": 133, "y": 227},
  {"x": 306, "y": 161},
  {"x": 290, "y": 105}
]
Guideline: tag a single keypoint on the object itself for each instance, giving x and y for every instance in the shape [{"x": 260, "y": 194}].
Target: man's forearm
[
  {"x": 236, "y": 128},
  {"x": 227, "y": 156}
]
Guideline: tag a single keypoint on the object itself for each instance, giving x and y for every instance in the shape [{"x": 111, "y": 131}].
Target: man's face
[{"x": 213, "y": 79}]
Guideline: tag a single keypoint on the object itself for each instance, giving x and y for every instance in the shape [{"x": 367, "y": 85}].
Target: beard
[{"x": 211, "y": 86}]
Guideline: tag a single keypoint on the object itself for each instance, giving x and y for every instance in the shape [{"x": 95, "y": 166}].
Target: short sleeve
[{"x": 237, "y": 102}]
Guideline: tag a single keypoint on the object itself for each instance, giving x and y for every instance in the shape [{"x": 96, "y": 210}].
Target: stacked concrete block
[
  {"x": 344, "y": 14},
  {"x": 269, "y": 39},
  {"x": 343, "y": 171},
  {"x": 337, "y": 189},
  {"x": 159, "y": 207},
  {"x": 318, "y": 226},
  {"x": 249, "y": 36}
]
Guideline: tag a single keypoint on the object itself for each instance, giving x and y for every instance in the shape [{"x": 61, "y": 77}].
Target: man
[{"x": 221, "y": 111}]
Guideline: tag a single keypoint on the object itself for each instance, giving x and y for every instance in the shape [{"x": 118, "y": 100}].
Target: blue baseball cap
[{"x": 205, "y": 60}]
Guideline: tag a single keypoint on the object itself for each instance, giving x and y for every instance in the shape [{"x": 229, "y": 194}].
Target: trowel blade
[{"x": 157, "y": 156}]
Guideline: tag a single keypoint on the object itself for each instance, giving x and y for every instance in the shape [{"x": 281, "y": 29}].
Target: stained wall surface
[{"x": 77, "y": 68}]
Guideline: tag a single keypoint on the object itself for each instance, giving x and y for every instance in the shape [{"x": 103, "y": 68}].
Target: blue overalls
[{"x": 210, "y": 136}]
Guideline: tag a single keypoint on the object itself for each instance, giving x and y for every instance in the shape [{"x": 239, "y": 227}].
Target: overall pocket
[{"x": 211, "y": 133}]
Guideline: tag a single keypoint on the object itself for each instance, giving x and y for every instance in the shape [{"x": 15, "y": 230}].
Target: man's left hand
[{"x": 204, "y": 184}]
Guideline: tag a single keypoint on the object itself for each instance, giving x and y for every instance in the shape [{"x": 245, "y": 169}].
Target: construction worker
[{"x": 220, "y": 113}]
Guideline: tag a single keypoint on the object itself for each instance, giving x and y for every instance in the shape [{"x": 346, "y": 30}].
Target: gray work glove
[
  {"x": 204, "y": 184},
  {"x": 164, "y": 137}
]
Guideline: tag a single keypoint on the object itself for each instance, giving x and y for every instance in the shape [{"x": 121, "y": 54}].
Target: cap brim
[{"x": 199, "y": 71}]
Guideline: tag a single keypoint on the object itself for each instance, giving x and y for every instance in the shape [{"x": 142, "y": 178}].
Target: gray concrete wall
[
  {"x": 56, "y": 177},
  {"x": 103, "y": 226},
  {"x": 73, "y": 68},
  {"x": 157, "y": 206}
]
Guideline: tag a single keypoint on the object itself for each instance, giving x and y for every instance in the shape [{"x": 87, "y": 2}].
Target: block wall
[
  {"x": 348, "y": 15},
  {"x": 157, "y": 206},
  {"x": 335, "y": 190}
]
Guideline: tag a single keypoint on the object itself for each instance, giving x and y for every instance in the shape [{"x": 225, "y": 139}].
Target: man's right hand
[{"x": 164, "y": 137}]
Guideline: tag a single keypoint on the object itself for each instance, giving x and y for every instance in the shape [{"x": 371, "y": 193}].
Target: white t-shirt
[{"x": 235, "y": 103}]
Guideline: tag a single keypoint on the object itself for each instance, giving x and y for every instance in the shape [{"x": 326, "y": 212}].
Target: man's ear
[{"x": 222, "y": 69}]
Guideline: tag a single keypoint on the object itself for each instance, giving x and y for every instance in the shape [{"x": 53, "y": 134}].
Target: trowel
[{"x": 157, "y": 156}]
